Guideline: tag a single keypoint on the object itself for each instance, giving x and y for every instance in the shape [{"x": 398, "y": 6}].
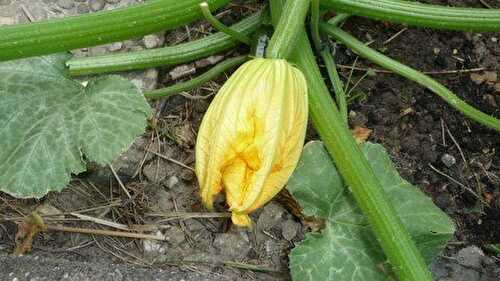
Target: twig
[
  {"x": 188, "y": 215},
  {"x": 105, "y": 232},
  {"x": 239, "y": 265},
  {"x": 486, "y": 4},
  {"x": 394, "y": 36},
  {"x": 27, "y": 13},
  {"x": 456, "y": 71},
  {"x": 353, "y": 67},
  {"x": 457, "y": 182},
  {"x": 101, "y": 221},
  {"x": 120, "y": 181},
  {"x": 171, "y": 160}
]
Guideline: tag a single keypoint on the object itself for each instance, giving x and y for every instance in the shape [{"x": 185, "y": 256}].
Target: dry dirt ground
[{"x": 452, "y": 159}]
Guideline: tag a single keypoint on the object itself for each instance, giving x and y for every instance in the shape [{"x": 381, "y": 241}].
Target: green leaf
[
  {"x": 347, "y": 248},
  {"x": 48, "y": 122}
]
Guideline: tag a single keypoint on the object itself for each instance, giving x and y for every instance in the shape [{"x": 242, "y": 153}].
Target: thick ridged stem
[
  {"x": 205, "y": 9},
  {"x": 166, "y": 56},
  {"x": 418, "y": 14},
  {"x": 338, "y": 86},
  {"x": 57, "y": 35},
  {"x": 287, "y": 29},
  {"x": 197, "y": 81},
  {"x": 390, "y": 232}
]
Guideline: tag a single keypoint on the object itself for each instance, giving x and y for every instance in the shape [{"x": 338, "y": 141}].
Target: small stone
[
  {"x": 96, "y": 5},
  {"x": 448, "y": 160},
  {"x": 97, "y": 50},
  {"x": 150, "y": 79},
  {"x": 182, "y": 71},
  {"x": 151, "y": 41},
  {"x": 115, "y": 46},
  {"x": 127, "y": 164},
  {"x": 461, "y": 273},
  {"x": 82, "y": 8},
  {"x": 66, "y": 4},
  {"x": 289, "y": 229},
  {"x": 271, "y": 215},
  {"x": 172, "y": 182},
  {"x": 159, "y": 199},
  {"x": 138, "y": 82},
  {"x": 194, "y": 226},
  {"x": 154, "y": 247},
  {"x": 113, "y": 1},
  {"x": 232, "y": 245},
  {"x": 211, "y": 60},
  {"x": 155, "y": 172},
  {"x": 470, "y": 257},
  {"x": 7, "y": 20},
  {"x": 175, "y": 236}
]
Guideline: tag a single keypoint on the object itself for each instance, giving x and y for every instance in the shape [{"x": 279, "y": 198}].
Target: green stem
[
  {"x": 166, "y": 56},
  {"x": 338, "y": 19},
  {"x": 222, "y": 27},
  {"x": 69, "y": 33},
  {"x": 338, "y": 86},
  {"x": 327, "y": 57},
  {"x": 197, "y": 81},
  {"x": 314, "y": 25},
  {"x": 355, "y": 169},
  {"x": 418, "y": 14},
  {"x": 285, "y": 33},
  {"x": 411, "y": 74}
]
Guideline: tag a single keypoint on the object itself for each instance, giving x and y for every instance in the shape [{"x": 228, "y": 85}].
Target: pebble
[
  {"x": 115, "y": 46},
  {"x": 175, "y": 236},
  {"x": 66, "y": 4},
  {"x": 470, "y": 257},
  {"x": 127, "y": 164},
  {"x": 155, "y": 172},
  {"x": 96, "y": 5},
  {"x": 113, "y": 1},
  {"x": 211, "y": 60},
  {"x": 448, "y": 160},
  {"x": 172, "y": 182},
  {"x": 151, "y": 41},
  {"x": 182, "y": 71},
  {"x": 289, "y": 229},
  {"x": 233, "y": 245},
  {"x": 82, "y": 8},
  {"x": 161, "y": 200},
  {"x": 270, "y": 216},
  {"x": 7, "y": 20}
]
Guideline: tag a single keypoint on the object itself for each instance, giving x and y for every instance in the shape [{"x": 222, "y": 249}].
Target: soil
[{"x": 452, "y": 159}]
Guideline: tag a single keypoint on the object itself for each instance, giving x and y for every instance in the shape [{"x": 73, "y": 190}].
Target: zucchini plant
[{"x": 51, "y": 125}]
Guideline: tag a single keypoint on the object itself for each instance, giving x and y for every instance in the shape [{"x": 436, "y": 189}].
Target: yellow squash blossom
[{"x": 251, "y": 136}]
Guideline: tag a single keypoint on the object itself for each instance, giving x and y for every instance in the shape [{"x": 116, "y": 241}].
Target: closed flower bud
[{"x": 251, "y": 136}]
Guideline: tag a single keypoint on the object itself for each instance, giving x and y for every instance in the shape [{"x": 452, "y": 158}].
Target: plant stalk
[
  {"x": 58, "y": 35},
  {"x": 412, "y": 74},
  {"x": 197, "y": 81},
  {"x": 419, "y": 14},
  {"x": 285, "y": 33},
  {"x": 393, "y": 237},
  {"x": 205, "y": 9},
  {"x": 165, "y": 56}
]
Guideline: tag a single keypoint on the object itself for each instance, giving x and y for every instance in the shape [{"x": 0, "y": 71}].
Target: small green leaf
[
  {"x": 347, "y": 248},
  {"x": 49, "y": 121}
]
